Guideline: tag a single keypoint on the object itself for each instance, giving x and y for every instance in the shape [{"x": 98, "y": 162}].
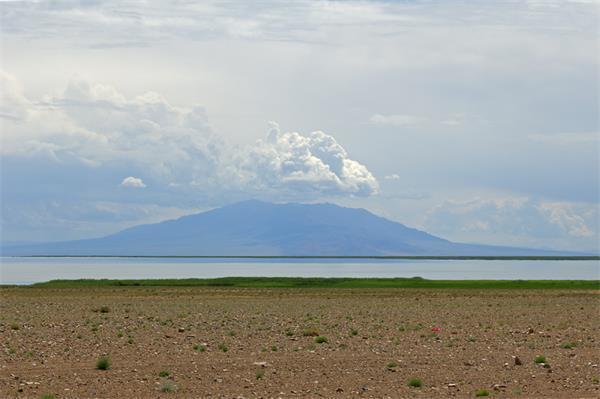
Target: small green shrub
[
  {"x": 223, "y": 348},
  {"x": 482, "y": 392},
  {"x": 415, "y": 383},
  {"x": 164, "y": 373},
  {"x": 540, "y": 359},
  {"x": 353, "y": 332},
  {"x": 167, "y": 387},
  {"x": 392, "y": 365},
  {"x": 103, "y": 363},
  {"x": 260, "y": 374},
  {"x": 14, "y": 326},
  {"x": 569, "y": 345},
  {"x": 200, "y": 347},
  {"x": 48, "y": 396},
  {"x": 321, "y": 339}
]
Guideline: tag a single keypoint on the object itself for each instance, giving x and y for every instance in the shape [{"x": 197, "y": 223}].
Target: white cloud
[
  {"x": 393, "y": 176},
  {"x": 518, "y": 221},
  {"x": 315, "y": 163},
  {"x": 396, "y": 120},
  {"x": 98, "y": 126},
  {"x": 565, "y": 216},
  {"x": 133, "y": 182}
]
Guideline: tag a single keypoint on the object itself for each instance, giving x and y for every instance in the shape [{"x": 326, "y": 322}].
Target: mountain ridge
[{"x": 257, "y": 228}]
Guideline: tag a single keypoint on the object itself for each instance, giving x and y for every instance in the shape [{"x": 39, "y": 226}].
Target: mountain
[{"x": 260, "y": 228}]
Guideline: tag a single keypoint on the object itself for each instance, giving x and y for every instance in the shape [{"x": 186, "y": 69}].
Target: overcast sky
[{"x": 476, "y": 121}]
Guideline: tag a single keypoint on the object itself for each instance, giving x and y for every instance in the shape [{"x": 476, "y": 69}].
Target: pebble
[{"x": 518, "y": 361}]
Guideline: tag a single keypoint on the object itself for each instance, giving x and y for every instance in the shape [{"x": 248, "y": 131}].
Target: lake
[{"x": 31, "y": 270}]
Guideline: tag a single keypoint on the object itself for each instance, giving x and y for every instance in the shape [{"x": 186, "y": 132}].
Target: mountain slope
[{"x": 260, "y": 228}]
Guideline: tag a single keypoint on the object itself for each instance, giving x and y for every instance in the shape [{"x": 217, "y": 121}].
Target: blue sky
[{"x": 476, "y": 121}]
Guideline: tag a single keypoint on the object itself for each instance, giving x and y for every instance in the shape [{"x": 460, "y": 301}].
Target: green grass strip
[{"x": 298, "y": 282}]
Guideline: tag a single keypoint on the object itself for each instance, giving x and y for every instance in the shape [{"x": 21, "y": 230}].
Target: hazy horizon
[{"x": 473, "y": 122}]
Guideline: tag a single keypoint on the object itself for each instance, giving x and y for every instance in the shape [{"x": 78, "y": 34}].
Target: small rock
[
  {"x": 261, "y": 364},
  {"x": 181, "y": 329},
  {"x": 451, "y": 385},
  {"x": 545, "y": 365},
  {"x": 498, "y": 387},
  {"x": 518, "y": 361},
  {"x": 338, "y": 390}
]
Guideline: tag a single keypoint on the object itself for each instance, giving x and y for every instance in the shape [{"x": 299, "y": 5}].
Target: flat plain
[{"x": 231, "y": 342}]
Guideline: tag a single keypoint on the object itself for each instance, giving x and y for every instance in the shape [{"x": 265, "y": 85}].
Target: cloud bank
[{"x": 96, "y": 125}]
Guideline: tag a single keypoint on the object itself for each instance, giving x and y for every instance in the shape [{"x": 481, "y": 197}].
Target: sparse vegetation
[
  {"x": 540, "y": 359},
  {"x": 200, "y": 347},
  {"x": 223, "y": 348},
  {"x": 310, "y": 332},
  {"x": 321, "y": 339},
  {"x": 164, "y": 373},
  {"x": 103, "y": 363},
  {"x": 569, "y": 345},
  {"x": 167, "y": 386},
  {"x": 260, "y": 374},
  {"x": 392, "y": 365},
  {"x": 415, "y": 383},
  {"x": 482, "y": 392}
]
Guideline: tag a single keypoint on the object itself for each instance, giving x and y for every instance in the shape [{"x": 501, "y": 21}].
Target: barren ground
[{"x": 261, "y": 343}]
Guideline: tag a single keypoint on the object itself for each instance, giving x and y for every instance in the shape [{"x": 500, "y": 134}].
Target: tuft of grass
[
  {"x": 14, "y": 326},
  {"x": 310, "y": 332},
  {"x": 415, "y": 383},
  {"x": 200, "y": 347},
  {"x": 260, "y": 374},
  {"x": 539, "y": 359},
  {"x": 164, "y": 373},
  {"x": 353, "y": 332},
  {"x": 289, "y": 332},
  {"x": 103, "y": 363},
  {"x": 231, "y": 333},
  {"x": 321, "y": 339},
  {"x": 223, "y": 348},
  {"x": 392, "y": 365},
  {"x": 569, "y": 345},
  {"x": 273, "y": 348},
  {"x": 167, "y": 387},
  {"x": 482, "y": 392},
  {"x": 48, "y": 396}
]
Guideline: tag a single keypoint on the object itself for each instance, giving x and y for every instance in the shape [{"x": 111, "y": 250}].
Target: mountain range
[{"x": 256, "y": 228}]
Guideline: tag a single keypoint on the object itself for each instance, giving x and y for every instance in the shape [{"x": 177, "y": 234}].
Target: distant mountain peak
[{"x": 255, "y": 227}]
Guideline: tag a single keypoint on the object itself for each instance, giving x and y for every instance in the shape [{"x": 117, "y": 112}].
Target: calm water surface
[{"x": 32, "y": 270}]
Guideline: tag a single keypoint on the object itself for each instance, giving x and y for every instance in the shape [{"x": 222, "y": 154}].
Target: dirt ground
[{"x": 262, "y": 343}]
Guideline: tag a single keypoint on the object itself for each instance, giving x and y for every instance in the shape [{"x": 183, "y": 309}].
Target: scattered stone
[
  {"x": 261, "y": 364},
  {"x": 338, "y": 390},
  {"x": 452, "y": 385},
  {"x": 181, "y": 329},
  {"x": 498, "y": 387},
  {"x": 518, "y": 361}
]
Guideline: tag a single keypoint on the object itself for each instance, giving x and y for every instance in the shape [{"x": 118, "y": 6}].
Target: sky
[{"x": 474, "y": 121}]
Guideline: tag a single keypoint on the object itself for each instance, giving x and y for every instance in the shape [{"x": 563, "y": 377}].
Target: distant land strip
[
  {"x": 313, "y": 282},
  {"x": 392, "y": 257}
]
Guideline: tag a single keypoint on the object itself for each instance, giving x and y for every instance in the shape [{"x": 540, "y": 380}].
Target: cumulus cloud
[
  {"x": 133, "y": 182},
  {"x": 98, "y": 126},
  {"x": 393, "y": 176},
  {"x": 308, "y": 164}
]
